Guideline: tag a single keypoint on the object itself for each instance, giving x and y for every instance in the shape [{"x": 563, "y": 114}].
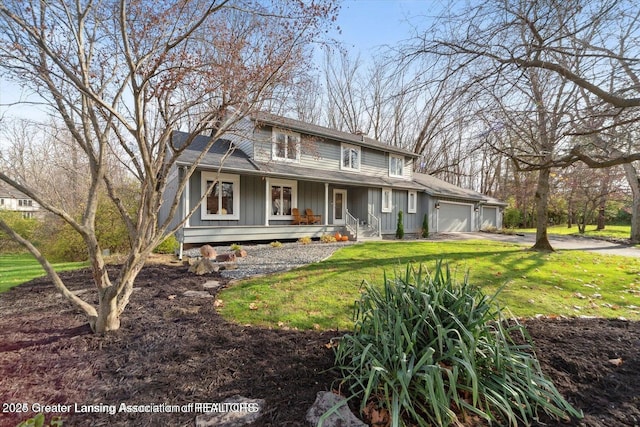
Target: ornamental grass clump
[{"x": 433, "y": 352}]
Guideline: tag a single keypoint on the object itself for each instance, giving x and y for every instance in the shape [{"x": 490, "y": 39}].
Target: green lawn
[
  {"x": 616, "y": 231},
  {"x": 321, "y": 295},
  {"x": 19, "y": 268}
]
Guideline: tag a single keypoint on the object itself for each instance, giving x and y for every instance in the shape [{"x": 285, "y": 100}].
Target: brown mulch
[{"x": 177, "y": 351}]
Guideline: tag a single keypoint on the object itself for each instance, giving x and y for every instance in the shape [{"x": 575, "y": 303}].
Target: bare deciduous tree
[
  {"x": 592, "y": 46},
  {"x": 121, "y": 76}
]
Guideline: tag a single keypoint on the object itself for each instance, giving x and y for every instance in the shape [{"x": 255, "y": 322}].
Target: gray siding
[
  {"x": 412, "y": 222},
  {"x": 319, "y": 153},
  {"x": 311, "y": 195},
  {"x": 168, "y": 198},
  {"x": 252, "y": 200}
]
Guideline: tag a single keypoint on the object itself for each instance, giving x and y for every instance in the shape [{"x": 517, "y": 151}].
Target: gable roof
[
  {"x": 438, "y": 188},
  {"x": 321, "y": 131},
  {"x": 221, "y": 152},
  {"x": 8, "y": 192}
]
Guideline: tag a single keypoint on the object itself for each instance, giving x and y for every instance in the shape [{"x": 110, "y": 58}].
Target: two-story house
[
  {"x": 275, "y": 168},
  {"x": 16, "y": 201}
]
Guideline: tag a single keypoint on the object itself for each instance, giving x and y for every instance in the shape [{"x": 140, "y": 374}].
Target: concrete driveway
[{"x": 558, "y": 242}]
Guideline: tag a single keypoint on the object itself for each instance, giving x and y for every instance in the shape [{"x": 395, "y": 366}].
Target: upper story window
[
  {"x": 350, "y": 157},
  {"x": 223, "y": 201},
  {"x": 285, "y": 146},
  {"x": 396, "y": 166}
]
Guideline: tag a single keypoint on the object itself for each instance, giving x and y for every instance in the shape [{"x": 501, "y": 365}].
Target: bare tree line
[{"x": 484, "y": 93}]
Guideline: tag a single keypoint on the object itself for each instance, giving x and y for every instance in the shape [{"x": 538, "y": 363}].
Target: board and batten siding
[
  {"x": 412, "y": 222},
  {"x": 170, "y": 192},
  {"x": 252, "y": 200}
]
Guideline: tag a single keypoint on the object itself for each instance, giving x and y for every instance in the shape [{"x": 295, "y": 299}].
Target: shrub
[
  {"x": 432, "y": 352},
  {"x": 512, "y": 217},
  {"x": 304, "y": 240},
  {"x": 400, "y": 227},
  {"x": 39, "y": 421},
  {"x": 26, "y": 227},
  {"x": 64, "y": 243},
  {"x": 168, "y": 246},
  {"x": 425, "y": 226},
  {"x": 236, "y": 247},
  {"x": 276, "y": 244},
  {"x": 327, "y": 238}
]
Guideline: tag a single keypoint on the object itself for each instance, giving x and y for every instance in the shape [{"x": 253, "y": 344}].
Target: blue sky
[
  {"x": 365, "y": 25},
  {"x": 369, "y": 24}
]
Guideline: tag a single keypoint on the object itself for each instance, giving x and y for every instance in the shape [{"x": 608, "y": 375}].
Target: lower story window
[
  {"x": 412, "y": 202},
  {"x": 387, "y": 205},
  {"x": 223, "y": 199},
  {"x": 283, "y": 198}
]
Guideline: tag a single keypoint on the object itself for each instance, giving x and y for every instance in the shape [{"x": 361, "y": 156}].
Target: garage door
[
  {"x": 454, "y": 217},
  {"x": 489, "y": 217}
]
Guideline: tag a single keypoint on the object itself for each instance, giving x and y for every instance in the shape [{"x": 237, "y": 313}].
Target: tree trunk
[
  {"x": 108, "y": 318},
  {"x": 634, "y": 183},
  {"x": 601, "y": 218},
  {"x": 542, "y": 205}
]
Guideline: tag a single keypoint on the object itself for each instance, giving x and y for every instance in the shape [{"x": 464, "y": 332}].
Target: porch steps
[{"x": 365, "y": 233}]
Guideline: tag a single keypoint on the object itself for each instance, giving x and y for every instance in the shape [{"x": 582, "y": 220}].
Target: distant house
[
  {"x": 276, "y": 168},
  {"x": 16, "y": 201}
]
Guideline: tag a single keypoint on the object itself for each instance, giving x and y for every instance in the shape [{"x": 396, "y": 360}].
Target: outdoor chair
[
  {"x": 311, "y": 218},
  {"x": 297, "y": 218}
]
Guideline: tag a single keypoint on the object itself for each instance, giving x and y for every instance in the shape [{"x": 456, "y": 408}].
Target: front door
[{"x": 339, "y": 207}]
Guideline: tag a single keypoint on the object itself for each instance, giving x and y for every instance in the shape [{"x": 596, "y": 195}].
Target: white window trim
[
  {"x": 213, "y": 176},
  {"x": 414, "y": 208},
  {"x": 354, "y": 147},
  {"x": 384, "y": 208},
  {"x": 294, "y": 197},
  {"x": 401, "y": 175},
  {"x": 274, "y": 156}
]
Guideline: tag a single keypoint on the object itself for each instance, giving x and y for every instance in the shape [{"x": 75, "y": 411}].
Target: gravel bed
[{"x": 265, "y": 259}]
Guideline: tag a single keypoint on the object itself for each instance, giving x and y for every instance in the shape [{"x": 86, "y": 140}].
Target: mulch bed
[{"x": 177, "y": 351}]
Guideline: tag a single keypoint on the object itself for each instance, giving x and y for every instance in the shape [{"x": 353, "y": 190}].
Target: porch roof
[{"x": 335, "y": 177}]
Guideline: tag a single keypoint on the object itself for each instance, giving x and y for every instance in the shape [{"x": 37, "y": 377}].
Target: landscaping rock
[
  {"x": 341, "y": 417},
  {"x": 208, "y": 252},
  {"x": 204, "y": 266},
  {"x": 241, "y": 253},
  {"x": 211, "y": 285},
  {"x": 197, "y": 294},
  {"x": 226, "y": 257},
  {"x": 235, "y": 411}
]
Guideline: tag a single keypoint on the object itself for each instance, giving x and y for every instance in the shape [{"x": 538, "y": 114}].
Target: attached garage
[
  {"x": 489, "y": 217},
  {"x": 455, "y": 217}
]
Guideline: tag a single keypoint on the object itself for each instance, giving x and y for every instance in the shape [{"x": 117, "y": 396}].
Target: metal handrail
[
  {"x": 352, "y": 224},
  {"x": 374, "y": 223}
]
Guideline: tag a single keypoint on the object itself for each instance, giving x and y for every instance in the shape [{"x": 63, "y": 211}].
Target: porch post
[
  {"x": 326, "y": 203},
  {"x": 267, "y": 193}
]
